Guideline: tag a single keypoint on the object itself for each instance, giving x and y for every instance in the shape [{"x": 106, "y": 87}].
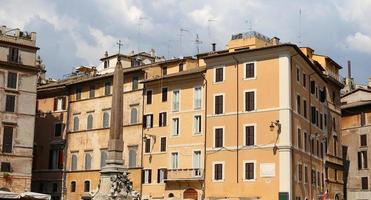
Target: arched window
[
  {"x": 87, "y": 161},
  {"x": 103, "y": 158},
  {"x": 73, "y": 186},
  {"x": 132, "y": 157},
  {"x": 86, "y": 186},
  {"x": 76, "y": 123},
  {"x": 133, "y": 116},
  {"x": 105, "y": 119},
  {"x": 90, "y": 122},
  {"x": 74, "y": 162}
]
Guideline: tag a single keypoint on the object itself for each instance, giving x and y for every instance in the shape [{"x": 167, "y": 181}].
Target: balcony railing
[
  {"x": 335, "y": 76},
  {"x": 184, "y": 174}
]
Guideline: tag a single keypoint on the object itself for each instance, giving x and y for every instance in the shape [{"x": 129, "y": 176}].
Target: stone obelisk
[{"x": 114, "y": 181}]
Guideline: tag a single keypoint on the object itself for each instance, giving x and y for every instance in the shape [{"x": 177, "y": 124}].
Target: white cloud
[
  {"x": 201, "y": 16},
  {"x": 359, "y": 42}
]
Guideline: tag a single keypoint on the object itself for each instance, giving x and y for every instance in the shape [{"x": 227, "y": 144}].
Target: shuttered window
[
  {"x": 106, "y": 120},
  {"x": 132, "y": 157},
  {"x": 162, "y": 119},
  {"x": 12, "y": 80},
  {"x": 299, "y": 139},
  {"x": 87, "y": 161},
  {"x": 250, "y": 70},
  {"x": 363, "y": 139},
  {"x": 148, "y": 121},
  {"x": 219, "y": 104},
  {"x": 78, "y": 94},
  {"x": 10, "y": 103},
  {"x": 13, "y": 55},
  {"x": 92, "y": 91},
  {"x": 364, "y": 183},
  {"x": 103, "y": 158},
  {"x": 298, "y": 104},
  {"x": 147, "y": 147},
  {"x": 5, "y": 167},
  {"x": 161, "y": 175},
  {"x": 74, "y": 162},
  {"x": 249, "y": 135},
  {"x": 197, "y": 124},
  {"x": 107, "y": 88},
  {"x": 164, "y": 94},
  {"x": 133, "y": 115},
  {"x": 175, "y": 129},
  {"x": 249, "y": 171},
  {"x": 249, "y": 101},
  {"x": 58, "y": 128},
  {"x": 149, "y": 97},
  {"x": 219, "y": 74},
  {"x": 218, "y": 171},
  {"x": 135, "y": 83},
  {"x": 89, "y": 122},
  {"x": 218, "y": 137},
  {"x": 7, "y": 139},
  {"x": 163, "y": 144},
  {"x": 76, "y": 124}
]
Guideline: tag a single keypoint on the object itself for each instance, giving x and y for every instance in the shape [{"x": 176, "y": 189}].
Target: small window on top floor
[
  {"x": 92, "y": 91},
  {"x": 164, "y": 71},
  {"x": 363, "y": 139},
  {"x": 219, "y": 74},
  {"x": 89, "y": 123},
  {"x": 107, "y": 88},
  {"x": 181, "y": 66},
  {"x": 13, "y": 55},
  {"x": 86, "y": 186},
  {"x": 249, "y": 70},
  {"x": 135, "y": 83},
  {"x": 297, "y": 74},
  {"x": 106, "y": 64},
  {"x": 78, "y": 93},
  {"x": 363, "y": 119}
]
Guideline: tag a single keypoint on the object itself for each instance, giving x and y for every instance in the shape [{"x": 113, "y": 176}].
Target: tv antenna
[
  {"x": 198, "y": 42},
  {"x": 299, "y": 34},
  {"x": 209, "y": 31},
  {"x": 140, "y": 24},
  {"x": 249, "y": 24},
  {"x": 182, "y": 30}
]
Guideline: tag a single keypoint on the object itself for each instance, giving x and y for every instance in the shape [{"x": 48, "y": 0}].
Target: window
[
  {"x": 320, "y": 121},
  {"x": 162, "y": 119},
  {"x": 103, "y": 158},
  {"x": 147, "y": 147},
  {"x": 148, "y": 121},
  {"x": 13, "y": 54},
  {"x": 313, "y": 115},
  {"x": 298, "y": 106},
  {"x": 305, "y": 142},
  {"x": 304, "y": 80},
  {"x": 363, "y": 119},
  {"x": 218, "y": 100},
  {"x": 305, "y": 174},
  {"x": 163, "y": 144},
  {"x": 149, "y": 96},
  {"x": 181, "y": 67},
  {"x": 132, "y": 157},
  {"x": 89, "y": 123},
  {"x": 87, "y": 161},
  {"x": 249, "y": 171},
  {"x": 363, "y": 139},
  {"x": 312, "y": 87},
  {"x": 7, "y": 139},
  {"x": 74, "y": 162},
  {"x": 135, "y": 82},
  {"x": 219, "y": 74},
  {"x": 5, "y": 167},
  {"x": 174, "y": 160},
  {"x": 175, "y": 130},
  {"x": 197, "y": 98},
  {"x": 56, "y": 159},
  {"x": 10, "y": 103},
  {"x": 218, "y": 140},
  {"x": 249, "y": 101},
  {"x": 133, "y": 115},
  {"x": 218, "y": 171},
  {"x": 55, "y": 187},
  {"x": 164, "y": 71},
  {"x": 92, "y": 91},
  {"x": 300, "y": 172},
  {"x": 299, "y": 139},
  {"x": 106, "y": 64},
  {"x": 164, "y": 94},
  {"x": 250, "y": 70},
  {"x": 175, "y": 100},
  {"x": 106, "y": 119},
  {"x": 161, "y": 175},
  {"x": 197, "y": 124},
  {"x": 147, "y": 176},
  {"x": 313, "y": 177},
  {"x": 364, "y": 183},
  {"x": 107, "y": 88},
  {"x": 335, "y": 145},
  {"x": 297, "y": 74},
  {"x": 196, "y": 165},
  {"x": 362, "y": 160},
  {"x": 78, "y": 94},
  {"x": 12, "y": 80},
  {"x": 76, "y": 123},
  {"x": 249, "y": 135},
  {"x": 86, "y": 186},
  {"x": 73, "y": 186},
  {"x": 305, "y": 108},
  {"x": 59, "y": 103}
]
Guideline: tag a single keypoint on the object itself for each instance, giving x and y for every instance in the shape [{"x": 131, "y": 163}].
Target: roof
[
  {"x": 331, "y": 61},
  {"x": 182, "y": 73},
  {"x": 356, "y": 104},
  {"x": 356, "y": 90}
]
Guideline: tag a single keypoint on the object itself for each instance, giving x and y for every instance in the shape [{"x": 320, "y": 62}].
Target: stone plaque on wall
[{"x": 267, "y": 170}]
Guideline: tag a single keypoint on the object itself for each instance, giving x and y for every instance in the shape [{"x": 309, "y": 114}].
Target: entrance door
[{"x": 190, "y": 194}]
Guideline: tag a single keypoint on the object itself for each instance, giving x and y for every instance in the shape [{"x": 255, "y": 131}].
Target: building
[
  {"x": 73, "y": 125},
  {"x": 174, "y": 131},
  {"x": 18, "y": 79},
  {"x": 355, "y": 126}
]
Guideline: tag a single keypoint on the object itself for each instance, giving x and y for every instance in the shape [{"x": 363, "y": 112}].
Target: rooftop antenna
[
  {"x": 168, "y": 47},
  {"x": 182, "y": 30},
  {"x": 140, "y": 23},
  {"x": 249, "y": 24},
  {"x": 198, "y": 42},
  {"x": 299, "y": 36},
  {"x": 209, "y": 34},
  {"x": 119, "y": 44}
]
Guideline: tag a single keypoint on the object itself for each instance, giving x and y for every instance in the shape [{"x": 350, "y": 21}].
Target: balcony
[
  {"x": 334, "y": 76},
  {"x": 184, "y": 174}
]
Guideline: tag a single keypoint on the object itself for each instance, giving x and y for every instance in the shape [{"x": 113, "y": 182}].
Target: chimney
[
  {"x": 17, "y": 32},
  {"x": 349, "y": 69},
  {"x": 275, "y": 41},
  {"x": 153, "y": 53},
  {"x": 33, "y": 36},
  {"x": 3, "y": 29},
  {"x": 213, "y": 46},
  {"x": 106, "y": 54},
  {"x": 369, "y": 82}
]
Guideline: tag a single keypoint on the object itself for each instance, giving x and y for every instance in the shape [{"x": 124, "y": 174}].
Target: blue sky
[{"x": 72, "y": 33}]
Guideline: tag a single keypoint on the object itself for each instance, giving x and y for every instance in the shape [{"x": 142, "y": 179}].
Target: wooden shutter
[
  {"x": 363, "y": 139},
  {"x": 249, "y": 101},
  {"x": 151, "y": 116},
  {"x": 158, "y": 175},
  {"x": 149, "y": 97},
  {"x": 145, "y": 121},
  {"x": 164, "y": 120},
  {"x": 160, "y": 119},
  {"x": 150, "y": 176},
  {"x": 143, "y": 174},
  {"x": 64, "y": 103},
  {"x": 312, "y": 87},
  {"x": 8, "y": 139}
]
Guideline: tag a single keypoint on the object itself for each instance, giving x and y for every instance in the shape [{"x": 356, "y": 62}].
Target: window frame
[
  {"x": 16, "y": 80},
  {"x": 171, "y": 160},
  {"x": 244, "y": 100},
  {"x": 214, "y": 168},
  {"x": 194, "y": 97},
  {"x": 107, "y": 84},
  {"x": 161, "y": 143},
  {"x": 149, "y": 101},
  {"x": 164, "y": 97},
  {"x": 214, "y": 136},
  {"x": 244, "y": 171},
  {"x": 223, "y": 103},
  {"x": 173, "y": 128},
  {"x": 245, "y": 136},
  {"x": 14, "y": 103},
  {"x": 214, "y": 78},
  {"x": 244, "y": 70},
  {"x": 197, "y": 132},
  {"x": 172, "y": 100}
]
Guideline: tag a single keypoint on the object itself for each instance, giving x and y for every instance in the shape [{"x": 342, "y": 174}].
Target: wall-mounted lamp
[{"x": 277, "y": 124}]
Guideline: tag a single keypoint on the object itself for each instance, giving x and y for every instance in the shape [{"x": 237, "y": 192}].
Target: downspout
[
  {"x": 66, "y": 147},
  {"x": 141, "y": 140},
  {"x": 237, "y": 121},
  {"x": 310, "y": 133},
  {"x": 205, "y": 133}
]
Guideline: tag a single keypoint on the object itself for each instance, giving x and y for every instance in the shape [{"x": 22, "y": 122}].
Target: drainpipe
[
  {"x": 64, "y": 187},
  {"x": 237, "y": 121},
  {"x": 141, "y": 140},
  {"x": 205, "y": 133},
  {"x": 310, "y": 134}
]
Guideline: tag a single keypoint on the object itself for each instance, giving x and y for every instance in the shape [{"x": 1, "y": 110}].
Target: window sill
[{"x": 248, "y": 79}]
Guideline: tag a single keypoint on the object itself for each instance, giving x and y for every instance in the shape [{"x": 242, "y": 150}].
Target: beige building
[
  {"x": 356, "y": 120},
  {"x": 18, "y": 79}
]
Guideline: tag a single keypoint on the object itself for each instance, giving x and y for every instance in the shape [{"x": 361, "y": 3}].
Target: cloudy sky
[{"x": 71, "y": 33}]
